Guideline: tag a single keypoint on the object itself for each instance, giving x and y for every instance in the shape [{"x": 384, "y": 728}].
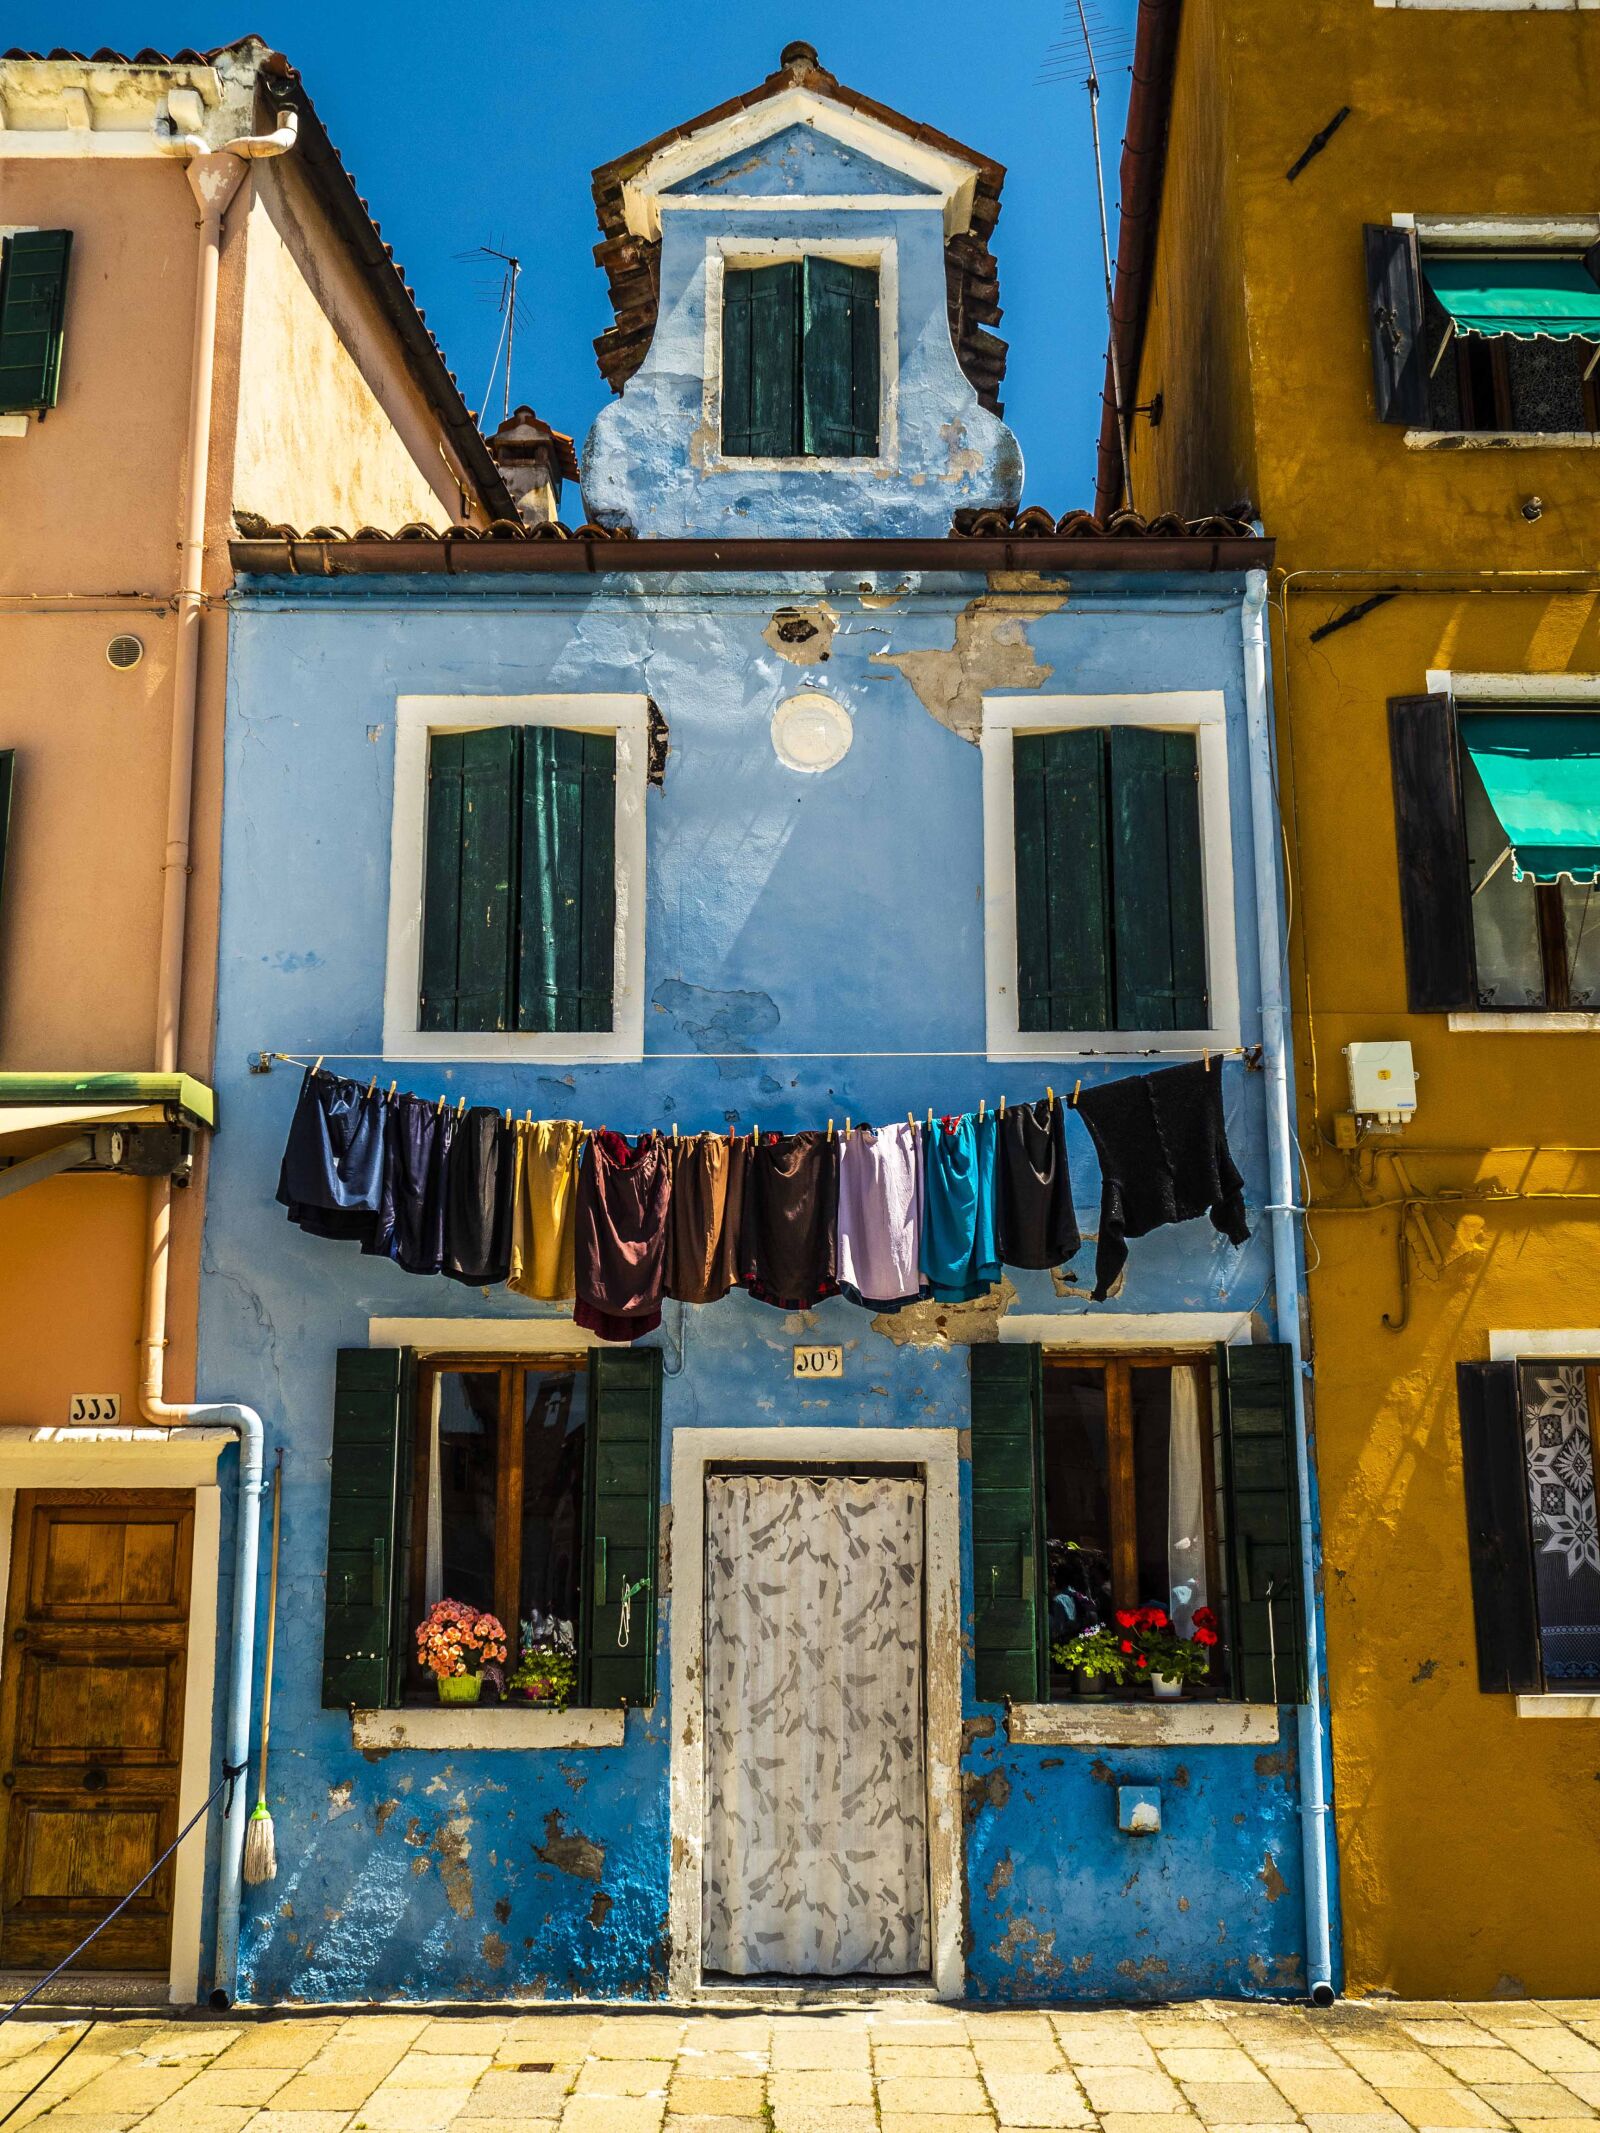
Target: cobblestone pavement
[{"x": 903, "y": 2067}]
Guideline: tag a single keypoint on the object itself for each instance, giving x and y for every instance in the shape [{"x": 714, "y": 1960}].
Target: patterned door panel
[{"x": 816, "y": 1856}]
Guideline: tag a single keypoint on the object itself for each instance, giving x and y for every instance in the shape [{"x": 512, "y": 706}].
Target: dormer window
[{"x": 800, "y": 360}]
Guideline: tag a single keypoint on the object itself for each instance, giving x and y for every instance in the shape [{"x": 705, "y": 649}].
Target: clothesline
[{"x": 886, "y": 1215}]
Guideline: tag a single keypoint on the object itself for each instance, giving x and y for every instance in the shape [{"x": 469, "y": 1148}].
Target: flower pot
[
  {"x": 1166, "y": 1688},
  {"x": 460, "y": 1688}
]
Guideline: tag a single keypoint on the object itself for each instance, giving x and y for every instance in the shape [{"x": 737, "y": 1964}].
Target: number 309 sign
[{"x": 819, "y": 1362}]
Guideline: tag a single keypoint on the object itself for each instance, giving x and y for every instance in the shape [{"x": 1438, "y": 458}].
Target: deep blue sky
[{"x": 478, "y": 122}]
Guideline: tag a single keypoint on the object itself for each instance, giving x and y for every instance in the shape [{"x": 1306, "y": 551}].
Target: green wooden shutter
[
  {"x": 470, "y": 880},
  {"x": 364, "y": 1626},
  {"x": 33, "y": 302},
  {"x": 839, "y": 359},
  {"x": 1158, "y": 896},
  {"x": 1263, "y": 1510},
  {"x": 1505, "y": 1605},
  {"x": 1010, "y": 1627},
  {"x": 1063, "y": 881},
  {"x": 567, "y": 929},
  {"x": 623, "y": 1470},
  {"x": 761, "y": 361}
]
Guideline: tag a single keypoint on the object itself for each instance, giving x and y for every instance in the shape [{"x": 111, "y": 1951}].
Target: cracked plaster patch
[
  {"x": 991, "y": 651},
  {"x": 943, "y": 1325}
]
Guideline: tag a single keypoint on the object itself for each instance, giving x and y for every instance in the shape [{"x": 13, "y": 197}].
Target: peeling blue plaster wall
[
  {"x": 827, "y": 919},
  {"x": 652, "y": 460}
]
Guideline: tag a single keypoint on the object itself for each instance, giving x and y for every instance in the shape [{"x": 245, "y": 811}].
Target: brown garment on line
[
  {"x": 620, "y": 1249},
  {"x": 703, "y": 1221},
  {"x": 789, "y": 1234}
]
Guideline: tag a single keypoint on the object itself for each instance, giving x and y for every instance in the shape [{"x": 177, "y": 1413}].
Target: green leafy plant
[
  {"x": 1096, "y": 1654},
  {"x": 547, "y": 1666}
]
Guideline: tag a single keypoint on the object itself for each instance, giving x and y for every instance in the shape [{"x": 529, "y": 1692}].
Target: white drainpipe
[
  {"x": 1315, "y": 1822},
  {"x": 214, "y": 178}
]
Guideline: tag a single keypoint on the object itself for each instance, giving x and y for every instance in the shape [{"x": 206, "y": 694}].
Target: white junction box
[{"x": 1383, "y": 1081}]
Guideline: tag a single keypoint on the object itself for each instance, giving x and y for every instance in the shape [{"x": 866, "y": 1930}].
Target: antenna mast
[{"x": 1093, "y": 87}]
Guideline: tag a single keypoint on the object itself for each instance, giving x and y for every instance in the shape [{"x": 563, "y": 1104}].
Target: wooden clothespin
[
  {"x": 911, "y": 1120},
  {"x": 674, "y": 1129},
  {"x": 1051, "y": 1094},
  {"x": 848, "y": 1129},
  {"x": 930, "y": 1118},
  {"x": 392, "y": 1087},
  {"x": 1002, "y": 1107},
  {"x": 461, "y": 1108},
  {"x": 508, "y": 1115},
  {"x": 372, "y": 1086},
  {"x": 440, "y": 1112},
  {"x": 1205, "y": 1061},
  {"x": 830, "y": 1129},
  {"x": 1077, "y": 1090},
  {"x": 980, "y": 1110},
  {"x": 317, "y": 1069}
]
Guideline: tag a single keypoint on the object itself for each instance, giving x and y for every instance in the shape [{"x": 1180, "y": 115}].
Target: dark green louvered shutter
[
  {"x": 761, "y": 361},
  {"x": 1009, "y": 1627},
  {"x": 468, "y": 935},
  {"x": 839, "y": 359},
  {"x": 1063, "y": 881},
  {"x": 364, "y": 1625},
  {"x": 1158, "y": 917},
  {"x": 1494, "y": 1473},
  {"x": 620, "y": 1539},
  {"x": 33, "y": 302},
  {"x": 566, "y": 958},
  {"x": 1258, "y": 1456}
]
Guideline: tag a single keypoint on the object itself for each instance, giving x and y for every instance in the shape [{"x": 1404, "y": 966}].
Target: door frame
[
  {"x": 69, "y": 1459},
  {"x": 936, "y": 1454}
]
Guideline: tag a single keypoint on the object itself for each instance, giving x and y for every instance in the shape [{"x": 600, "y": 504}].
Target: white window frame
[
  {"x": 1202, "y": 712},
  {"x": 1479, "y": 233},
  {"x": 417, "y": 719},
  {"x": 1581, "y": 692},
  {"x": 881, "y": 253},
  {"x": 1494, "y": 7}
]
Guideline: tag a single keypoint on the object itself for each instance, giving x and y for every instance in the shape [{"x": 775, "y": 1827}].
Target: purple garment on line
[{"x": 880, "y": 1213}]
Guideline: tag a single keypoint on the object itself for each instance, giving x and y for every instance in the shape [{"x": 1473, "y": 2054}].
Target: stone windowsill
[
  {"x": 1143, "y": 1725},
  {"x": 1502, "y": 440},
  {"x": 454, "y": 1728},
  {"x": 1554, "y": 1705},
  {"x": 13, "y": 425},
  {"x": 1525, "y": 1021}
]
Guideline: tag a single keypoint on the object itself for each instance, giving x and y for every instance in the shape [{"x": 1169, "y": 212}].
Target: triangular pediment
[{"x": 800, "y": 162}]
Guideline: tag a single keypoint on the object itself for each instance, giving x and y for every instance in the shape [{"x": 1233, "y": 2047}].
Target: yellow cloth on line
[{"x": 545, "y": 1208}]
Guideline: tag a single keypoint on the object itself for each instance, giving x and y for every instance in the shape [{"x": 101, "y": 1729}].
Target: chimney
[{"x": 534, "y": 460}]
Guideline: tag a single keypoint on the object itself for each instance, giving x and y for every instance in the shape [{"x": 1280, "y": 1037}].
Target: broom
[{"x": 260, "y": 1839}]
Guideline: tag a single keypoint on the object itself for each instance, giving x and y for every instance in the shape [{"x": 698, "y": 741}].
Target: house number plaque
[
  {"x": 819, "y": 1362},
  {"x": 94, "y": 1407}
]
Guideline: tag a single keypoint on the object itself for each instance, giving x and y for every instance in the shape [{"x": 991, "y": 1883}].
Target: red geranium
[
  {"x": 1204, "y": 1618},
  {"x": 1127, "y": 1618},
  {"x": 1126, "y": 1644}
]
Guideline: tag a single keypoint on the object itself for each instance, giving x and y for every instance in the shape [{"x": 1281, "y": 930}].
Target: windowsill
[
  {"x": 1143, "y": 1725},
  {"x": 802, "y": 463},
  {"x": 1528, "y": 1020},
  {"x": 577, "y": 1048},
  {"x": 13, "y": 425},
  {"x": 1552, "y": 1705},
  {"x": 1502, "y": 440},
  {"x": 457, "y": 1727}
]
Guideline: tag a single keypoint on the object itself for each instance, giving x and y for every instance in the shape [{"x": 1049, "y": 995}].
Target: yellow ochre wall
[{"x": 1468, "y": 1858}]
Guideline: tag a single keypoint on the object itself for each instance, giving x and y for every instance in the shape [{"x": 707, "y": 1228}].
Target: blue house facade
[{"x": 807, "y": 816}]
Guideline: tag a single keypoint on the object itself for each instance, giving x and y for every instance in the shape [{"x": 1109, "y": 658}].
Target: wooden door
[{"x": 91, "y": 1722}]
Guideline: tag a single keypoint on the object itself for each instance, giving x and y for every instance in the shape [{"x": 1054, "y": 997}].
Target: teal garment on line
[
  {"x": 960, "y": 1230},
  {"x": 1541, "y": 770}
]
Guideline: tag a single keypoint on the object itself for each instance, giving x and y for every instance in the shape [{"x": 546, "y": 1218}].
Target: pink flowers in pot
[{"x": 455, "y": 1639}]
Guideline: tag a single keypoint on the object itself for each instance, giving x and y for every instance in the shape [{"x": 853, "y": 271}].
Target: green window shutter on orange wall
[{"x": 33, "y": 302}]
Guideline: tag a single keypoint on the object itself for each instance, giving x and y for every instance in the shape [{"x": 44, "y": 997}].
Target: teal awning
[
  {"x": 1541, "y": 770},
  {"x": 1529, "y": 299}
]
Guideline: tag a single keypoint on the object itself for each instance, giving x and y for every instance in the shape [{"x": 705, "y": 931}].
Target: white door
[{"x": 816, "y": 1848}]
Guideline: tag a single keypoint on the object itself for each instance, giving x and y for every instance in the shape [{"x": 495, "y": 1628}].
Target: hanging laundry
[
  {"x": 479, "y": 1199},
  {"x": 788, "y": 1240},
  {"x": 1038, "y": 1227},
  {"x": 880, "y": 1216},
  {"x": 708, "y": 1172},
  {"x": 1164, "y": 1157},
  {"x": 543, "y": 1217},
  {"x": 333, "y": 1177},
  {"x": 420, "y": 1136},
  {"x": 960, "y": 1225},
  {"x": 620, "y": 1248}
]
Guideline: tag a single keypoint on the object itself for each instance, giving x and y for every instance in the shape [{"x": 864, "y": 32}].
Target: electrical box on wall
[{"x": 1383, "y": 1082}]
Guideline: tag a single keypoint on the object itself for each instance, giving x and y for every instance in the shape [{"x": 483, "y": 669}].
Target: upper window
[
  {"x": 800, "y": 360},
  {"x": 1476, "y": 339},
  {"x": 1527, "y": 1441},
  {"x": 33, "y": 299},
  {"x": 519, "y": 902},
  {"x": 516, "y": 878},
  {"x": 1497, "y": 814},
  {"x": 1110, "y": 896}
]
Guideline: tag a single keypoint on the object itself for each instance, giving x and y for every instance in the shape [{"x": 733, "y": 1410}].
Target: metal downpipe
[{"x": 1315, "y": 1823}]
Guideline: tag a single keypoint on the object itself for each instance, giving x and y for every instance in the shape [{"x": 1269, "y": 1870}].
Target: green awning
[
  {"x": 122, "y": 1092},
  {"x": 1527, "y": 299},
  {"x": 1541, "y": 770}
]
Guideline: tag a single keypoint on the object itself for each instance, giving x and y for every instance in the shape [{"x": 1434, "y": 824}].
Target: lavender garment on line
[{"x": 880, "y": 1212}]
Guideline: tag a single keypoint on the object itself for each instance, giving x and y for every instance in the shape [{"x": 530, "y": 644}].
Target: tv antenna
[
  {"x": 1072, "y": 50},
  {"x": 503, "y": 293}
]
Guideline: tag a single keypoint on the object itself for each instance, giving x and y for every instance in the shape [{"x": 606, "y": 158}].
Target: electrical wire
[{"x": 49, "y": 2071}]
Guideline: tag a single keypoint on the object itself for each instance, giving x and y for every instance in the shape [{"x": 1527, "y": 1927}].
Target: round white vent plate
[{"x": 811, "y": 732}]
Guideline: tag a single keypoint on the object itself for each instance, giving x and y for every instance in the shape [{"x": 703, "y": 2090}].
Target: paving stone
[
  {"x": 1326, "y": 2089},
  {"x": 1384, "y": 2121},
  {"x": 406, "y": 2110},
  {"x": 254, "y": 2085},
  {"x": 1434, "y": 2105},
  {"x": 1032, "y": 2099},
  {"x": 943, "y": 2095},
  {"x": 1586, "y": 2087},
  {"x": 471, "y": 2034},
  {"x": 287, "y": 2043},
  {"x": 823, "y": 2118},
  {"x": 1112, "y": 2088},
  {"x": 1017, "y": 2055},
  {"x": 1115, "y": 2048},
  {"x": 1532, "y": 2099},
  {"x": 129, "y": 2087},
  {"x": 298, "y": 2122},
  {"x": 717, "y": 2125},
  {"x": 636, "y": 2037},
  {"x": 190, "y": 2040},
  {"x": 179, "y": 2115},
  {"x": 798, "y": 2051},
  {"x": 924, "y": 2060},
  {"x": 1148, "y": 2122},
  {"x": 1241, "y": 2103},
  {"x": 1446, "y": 2030},
  {"x": 823, "y": 2088},
  {"x": 503, "y": 2095},
  {"x": 691, "y": 2095},
  {"x": 1226, "y": 2062},
  {"x": 611, "y": 2114},
  {"x": 1549, "y": 2046},
  {"x": 722, "y": 2066},
  {"x": 1411, "y": 2070},
  {"x": 936, "y": 2122},
  {"x": 623, "y": 2077},
  {"x": 325, "y": 2092},
  {"x": 986, "y": 2022}
]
